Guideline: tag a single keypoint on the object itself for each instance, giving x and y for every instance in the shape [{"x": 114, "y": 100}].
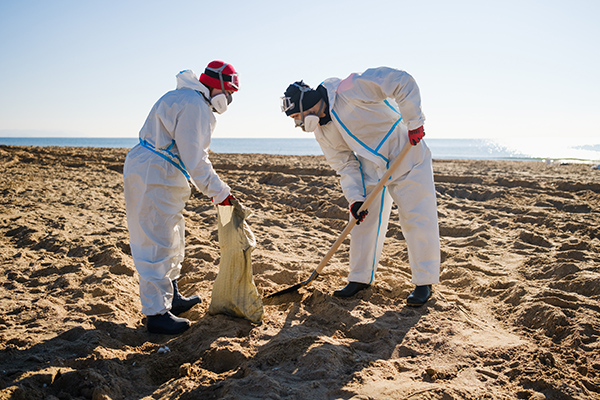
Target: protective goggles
[
  {"x": 217, "y": 73},
  {"x": 287, "y": 103}
]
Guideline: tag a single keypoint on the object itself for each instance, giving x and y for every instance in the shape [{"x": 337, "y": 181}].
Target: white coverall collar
[
  {"x": 331, "y": 85},
  {"x": 188, "y": 80}
]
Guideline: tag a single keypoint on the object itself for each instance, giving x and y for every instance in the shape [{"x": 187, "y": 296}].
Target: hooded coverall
[
  {"x": 365, "y": 133},
  {"x": 173, "y": 148}
]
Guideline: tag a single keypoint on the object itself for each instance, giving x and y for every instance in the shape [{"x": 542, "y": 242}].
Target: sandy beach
[{"x": 516, "y": 315}]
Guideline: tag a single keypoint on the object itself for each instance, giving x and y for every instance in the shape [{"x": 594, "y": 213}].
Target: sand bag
[{"x": 234, "y": 292}]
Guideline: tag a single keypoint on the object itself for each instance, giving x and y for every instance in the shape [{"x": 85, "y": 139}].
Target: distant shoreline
[{"x": 453, "y": 149}]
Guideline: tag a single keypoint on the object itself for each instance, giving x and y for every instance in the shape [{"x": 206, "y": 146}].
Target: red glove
[
  {"x": 354, "y": 210},
  {"x": 227, "y": 201},
  {"x": 416, "y": 135}
]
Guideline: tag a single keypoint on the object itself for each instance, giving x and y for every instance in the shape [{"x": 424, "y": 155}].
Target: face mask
[
  {"x": 310, "y": 123},
  {"x": 220, "y": 102}
]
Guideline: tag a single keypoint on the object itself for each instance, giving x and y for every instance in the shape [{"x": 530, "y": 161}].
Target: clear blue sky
[{"x": 486, "y": 69}]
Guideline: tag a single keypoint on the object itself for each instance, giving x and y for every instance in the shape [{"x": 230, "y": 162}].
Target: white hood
[{"x": 187, "y": 79}]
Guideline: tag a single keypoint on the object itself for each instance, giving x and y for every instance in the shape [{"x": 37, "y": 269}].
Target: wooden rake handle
[{"x": 365, "y": 205}]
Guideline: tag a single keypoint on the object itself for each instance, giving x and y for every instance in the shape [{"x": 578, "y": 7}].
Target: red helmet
[{"x": 220, "y": 75}]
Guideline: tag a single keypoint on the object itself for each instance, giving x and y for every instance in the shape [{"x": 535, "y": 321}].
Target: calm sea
[{"x": 474, "y": 149}]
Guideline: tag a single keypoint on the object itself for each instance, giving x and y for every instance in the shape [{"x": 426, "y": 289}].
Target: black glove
[{"x": 354, "y": 210}]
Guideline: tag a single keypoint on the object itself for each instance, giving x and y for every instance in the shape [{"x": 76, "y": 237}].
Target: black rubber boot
[
  {"x": 419, "y": 296},
  {"x": 182, "y": 304},
  {"x": 350, "y": 289},
  {"x": 166, "y": 324}
]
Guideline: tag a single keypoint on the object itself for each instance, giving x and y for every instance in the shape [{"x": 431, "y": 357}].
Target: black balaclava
[{"x": 309, "y": 99}]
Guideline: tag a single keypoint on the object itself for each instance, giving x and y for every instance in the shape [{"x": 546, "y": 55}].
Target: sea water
[{"x": 473, "y": 149}]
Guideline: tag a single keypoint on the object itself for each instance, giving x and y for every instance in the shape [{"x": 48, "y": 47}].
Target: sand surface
[{"x": 517, "y": 315}]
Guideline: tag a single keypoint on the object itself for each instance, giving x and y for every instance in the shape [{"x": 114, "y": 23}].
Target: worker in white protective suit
[
  {"x": 362, "y": 123},
  {"x": 173, "y": 149}
]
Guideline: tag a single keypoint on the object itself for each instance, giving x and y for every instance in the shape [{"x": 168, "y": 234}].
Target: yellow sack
[{"x": 234, "y": 292}]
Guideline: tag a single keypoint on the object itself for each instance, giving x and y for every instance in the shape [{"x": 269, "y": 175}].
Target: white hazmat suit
[
  {"x": 173, "y": 148},
  {"x": 371, "y": 114}
]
